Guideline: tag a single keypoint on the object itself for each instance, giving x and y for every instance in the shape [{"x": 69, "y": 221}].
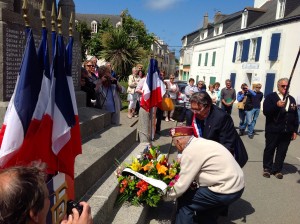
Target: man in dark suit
[
  {"x": 281, "y": 127},
  {"x": 211, "y": 122}
]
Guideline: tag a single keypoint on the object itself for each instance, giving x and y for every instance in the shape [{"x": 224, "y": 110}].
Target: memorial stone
[{"x": 12, "y": 41}]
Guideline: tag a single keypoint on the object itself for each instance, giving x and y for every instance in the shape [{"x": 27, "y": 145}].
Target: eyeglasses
[
  {"x": 198, "y": 111},
  {"x": 171, "y": 78},
  {"x": 283, "y": 86},
  {"x": 90, "y": 65}
]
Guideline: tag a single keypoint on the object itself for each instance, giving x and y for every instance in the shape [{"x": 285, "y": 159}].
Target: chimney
[
  {"x": 205, "y": 21},
  {"x": 217, "y": 17}
]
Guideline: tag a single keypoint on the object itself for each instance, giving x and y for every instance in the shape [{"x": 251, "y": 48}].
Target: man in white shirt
[{"x": 218, "y": 177}]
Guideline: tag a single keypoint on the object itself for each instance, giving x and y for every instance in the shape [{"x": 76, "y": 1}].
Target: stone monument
[{"x": 12, "y": 40}]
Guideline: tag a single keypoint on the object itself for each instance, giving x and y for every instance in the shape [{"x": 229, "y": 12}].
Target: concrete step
[
  {"x": 102, "y": 196},
  {"x": 99, "y": 154},
  {"x": 92, "y": 120}
]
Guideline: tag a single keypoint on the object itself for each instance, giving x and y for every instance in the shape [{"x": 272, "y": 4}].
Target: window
[
  {"x": 274, "y": 47},
  {"x": 203, "y": 35},
  {"x": 206, "y": 59},
  {"x": 239, "y": 50},
  {"x": 280, "y": 9},
  {"x": 244, "y": 19},
  {"x": 213, "y": 59},
  {"x": 94, "y": 26},
  {"x": 199, "y": 60},
  {"x": 255, "y": 49},
  {"x": 218, "y": 29}
]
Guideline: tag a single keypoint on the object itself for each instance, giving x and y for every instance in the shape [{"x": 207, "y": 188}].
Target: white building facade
[{"x": 255, "y": 45}]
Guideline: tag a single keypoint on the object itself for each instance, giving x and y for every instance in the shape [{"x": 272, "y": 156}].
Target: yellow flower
[
  {"x": 135, "y": 166},
  {"x": 161, "y": 169}
]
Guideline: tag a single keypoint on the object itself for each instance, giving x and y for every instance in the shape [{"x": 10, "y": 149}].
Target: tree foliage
[
  {"x": 121, "y": 51},
  {"x": 123, "y": 47},
  {"x": 136, "y": 29}
]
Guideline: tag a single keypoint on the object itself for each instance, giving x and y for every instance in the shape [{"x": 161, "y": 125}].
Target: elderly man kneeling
[{"x": 219, "y": 179}]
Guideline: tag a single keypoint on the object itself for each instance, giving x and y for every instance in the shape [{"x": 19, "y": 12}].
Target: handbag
[
  {"x": 166, "y": 104},
  {"x": 241, "y": 105}
]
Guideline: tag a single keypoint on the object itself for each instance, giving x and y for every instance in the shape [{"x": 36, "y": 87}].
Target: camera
[
  {"x": 113, "y": 81},
  {"x": 72, "y": 204}
]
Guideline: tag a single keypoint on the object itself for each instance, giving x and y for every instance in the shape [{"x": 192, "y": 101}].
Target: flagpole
[{"x": 151, "y": 125}]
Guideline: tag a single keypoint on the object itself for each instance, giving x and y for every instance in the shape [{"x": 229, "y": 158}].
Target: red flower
[{"x": 143, "y": 186}]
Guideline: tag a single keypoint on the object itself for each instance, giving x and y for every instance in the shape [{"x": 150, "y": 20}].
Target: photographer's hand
[{"x": 84, "y": 218}]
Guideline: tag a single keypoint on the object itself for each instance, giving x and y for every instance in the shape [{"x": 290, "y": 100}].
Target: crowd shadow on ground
[
  {"x": 289, "y": 169},
  {"x": 238, "y": 211}
]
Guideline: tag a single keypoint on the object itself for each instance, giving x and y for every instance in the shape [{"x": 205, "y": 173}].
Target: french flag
[
  {"x": 22, "y": 105},
  {"x": 66, "y": 138},
  {"x": 153, "y": 88}
]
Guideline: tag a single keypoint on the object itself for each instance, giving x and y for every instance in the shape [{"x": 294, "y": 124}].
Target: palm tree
[{"x": 121, "y": 51}]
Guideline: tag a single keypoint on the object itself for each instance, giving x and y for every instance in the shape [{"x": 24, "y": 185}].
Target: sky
[{"x": 170, "y": 20}]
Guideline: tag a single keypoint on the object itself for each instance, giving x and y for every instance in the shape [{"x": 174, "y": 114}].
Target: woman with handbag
[
  {"x": 172, "y": 90},
  {"x": 132, "y": 96}
]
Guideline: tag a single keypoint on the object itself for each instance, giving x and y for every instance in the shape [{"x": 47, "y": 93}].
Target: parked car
[{"x": 181, "y": 94}]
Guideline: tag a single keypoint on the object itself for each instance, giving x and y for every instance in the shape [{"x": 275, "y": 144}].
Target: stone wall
[{"x": 12, "y": 41}]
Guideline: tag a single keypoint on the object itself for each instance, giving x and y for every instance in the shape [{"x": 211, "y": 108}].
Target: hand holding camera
[
  {"x": 245, "y": 89},
  {"x": 79, "y": 213}
]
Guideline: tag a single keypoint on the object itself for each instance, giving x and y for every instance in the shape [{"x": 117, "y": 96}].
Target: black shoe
[
  {"x": 266, "y": 173},
  {"x": 250, "y": 136},
  {"x": 157, "y": 132},
  {"x": 278, "y": 175},
  {"x": 241, "y": 133}
]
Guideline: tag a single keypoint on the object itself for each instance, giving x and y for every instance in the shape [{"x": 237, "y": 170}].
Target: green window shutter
[
  {"x": 199, "y": 60},
  {"x": 206, "y": 59},
  {"x": 212, "y": 80},
  {"x": 213, "y": 59}
]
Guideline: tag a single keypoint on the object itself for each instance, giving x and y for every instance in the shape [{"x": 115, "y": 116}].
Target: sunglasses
[
  {"x": 171, "y": 78},
  {"x": 90, "y": 65},
  {"x": 283, "y": 86}
]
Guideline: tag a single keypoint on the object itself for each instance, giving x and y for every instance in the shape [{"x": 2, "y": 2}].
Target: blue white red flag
[
  {"x": 59, "y": 132},
  {"x": 153, "y": 88},
  {"x": 22, "y": 104},
  {"x": 196, "y": 127},
  {"x": 66, "y": 138}
]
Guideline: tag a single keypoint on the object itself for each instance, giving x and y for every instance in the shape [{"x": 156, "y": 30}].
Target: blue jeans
[
  {"x": 242, "y": 116},
  {"x": 246, "y": 119},
  {"x": 205, "y": 202},
  {"x": 253, "y": 115}
]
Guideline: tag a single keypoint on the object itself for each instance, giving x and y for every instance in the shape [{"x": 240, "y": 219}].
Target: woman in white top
[
  {"x": 172, "y": 90},
  {"x": 213, "y": 95},
  {"x": 132, "y": 97}
]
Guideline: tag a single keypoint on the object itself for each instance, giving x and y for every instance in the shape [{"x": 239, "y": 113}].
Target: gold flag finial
[
  {"x": 71, "y": 25},
  {"x": 53, "y": 17},
  {"x": 59, "y": 21},
  {"x": 25, "y": 11},
  {"x": 43, "y": 14}
]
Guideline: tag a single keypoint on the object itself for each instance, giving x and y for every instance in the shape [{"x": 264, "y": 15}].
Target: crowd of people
[{"x": 210, "y": 178}]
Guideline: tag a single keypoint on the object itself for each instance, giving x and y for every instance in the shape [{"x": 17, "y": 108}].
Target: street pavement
[{"x": 265, "y": 200}]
